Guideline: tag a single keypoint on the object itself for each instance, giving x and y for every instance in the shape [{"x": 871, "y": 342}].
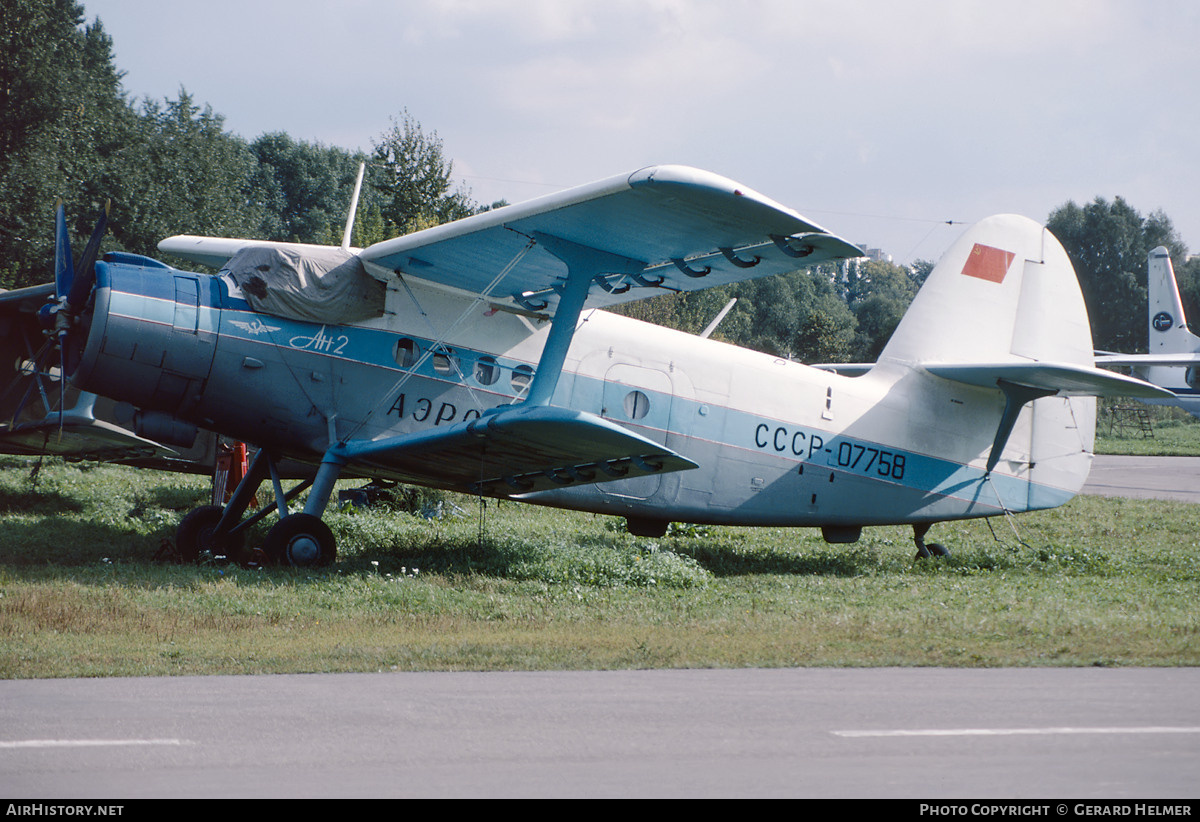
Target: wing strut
[{"x": 584, "y": 265}]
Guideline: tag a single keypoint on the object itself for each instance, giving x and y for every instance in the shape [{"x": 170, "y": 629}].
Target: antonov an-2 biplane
[{"x": 475, "y": 357}]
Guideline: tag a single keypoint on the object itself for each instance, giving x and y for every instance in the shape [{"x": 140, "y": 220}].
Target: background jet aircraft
[{"x": 1173, "y": 361}]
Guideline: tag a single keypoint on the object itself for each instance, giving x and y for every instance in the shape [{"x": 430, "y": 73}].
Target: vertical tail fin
[
  {"x": 1168, "y": 334},
  {"x": 1002, "y": 313},
  {"x": 1004, "y": 291},
  {"x": 1168, "y": 331}
]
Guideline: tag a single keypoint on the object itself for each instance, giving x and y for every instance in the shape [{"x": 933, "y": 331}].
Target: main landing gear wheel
[
  {"x": 302, "y": 541},
  {"x": 933, "y": 549},
  {"x": 194, "y": 536}
]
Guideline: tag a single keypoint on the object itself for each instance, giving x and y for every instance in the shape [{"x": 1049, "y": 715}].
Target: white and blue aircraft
[
  {"x": 475, "y": 356},
  {"x": 1173, "y": 358}
]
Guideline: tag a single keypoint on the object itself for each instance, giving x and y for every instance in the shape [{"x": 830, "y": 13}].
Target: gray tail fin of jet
[{"x": 1168, "y": 331}]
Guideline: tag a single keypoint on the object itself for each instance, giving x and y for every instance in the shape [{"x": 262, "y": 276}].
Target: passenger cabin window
[
  {"x": 406, "y": 352},
  {"x": 443, "y": 361},
  {"x": 521, "y": 377},
  {"x": 486, "y": 371},
  {"x": 637, "y": 405}
]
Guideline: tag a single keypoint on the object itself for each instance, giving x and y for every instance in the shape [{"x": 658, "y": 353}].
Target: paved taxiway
[
  {"x": 1170, "y": 478},
  {"x": 919, "y": 733}
]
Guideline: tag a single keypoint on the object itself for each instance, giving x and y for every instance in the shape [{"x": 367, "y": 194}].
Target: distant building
[{"x": 876, "y": 254}]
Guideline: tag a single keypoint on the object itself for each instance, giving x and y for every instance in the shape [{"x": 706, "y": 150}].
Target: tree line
[{"x": 69, "y": 132}]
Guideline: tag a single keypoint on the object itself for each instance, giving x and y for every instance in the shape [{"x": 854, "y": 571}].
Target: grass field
[
  {"x": 515, "y": 587},
  {"x": 1171, "y": 432}
]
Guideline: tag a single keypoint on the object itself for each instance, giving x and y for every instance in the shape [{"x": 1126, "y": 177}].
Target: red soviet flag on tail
[{"x": 987, "y": 263}]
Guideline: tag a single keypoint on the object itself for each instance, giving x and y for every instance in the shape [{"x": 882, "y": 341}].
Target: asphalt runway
[
  {"x": 917, "y": 733},
  {"x": 937, "y": 734},
  {"x": 1171, "y": 478}
]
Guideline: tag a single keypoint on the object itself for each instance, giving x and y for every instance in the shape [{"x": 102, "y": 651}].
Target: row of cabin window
[{"x": 487, "y": 371}]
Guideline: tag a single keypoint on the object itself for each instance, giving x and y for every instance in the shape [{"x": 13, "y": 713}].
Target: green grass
[
  {"x": 1172, "y": 433},
  {"x": 1097, "y": 582}
]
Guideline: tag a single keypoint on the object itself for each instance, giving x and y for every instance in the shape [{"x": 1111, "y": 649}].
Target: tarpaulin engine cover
[{"x": 320, "y": 285}]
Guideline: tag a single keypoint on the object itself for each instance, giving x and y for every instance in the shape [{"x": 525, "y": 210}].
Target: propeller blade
[
  {"x": 85, "y": 274},
  {"x": 62, "y": 387},
  {"x": 64, "y": 265}
]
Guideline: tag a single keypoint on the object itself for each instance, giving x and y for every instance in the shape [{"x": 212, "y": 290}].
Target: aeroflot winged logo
[
  {"x": 987, "y": 263},
  {"x": 255, "y": 328}
]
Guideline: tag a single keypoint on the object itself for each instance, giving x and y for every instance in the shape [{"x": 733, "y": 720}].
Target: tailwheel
[
  {"x": 933, "y": 549},
  {"x": 195, "y": 537},
  {"x": 302, "y": 541}
]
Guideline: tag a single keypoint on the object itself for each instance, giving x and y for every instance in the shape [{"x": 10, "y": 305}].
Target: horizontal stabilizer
[
  {"x": 1063, "y": 379},
  {"x": 1149, "y": 359},
  {"x": 846, "y": 369},
  {"x": 518, "y": 450}
]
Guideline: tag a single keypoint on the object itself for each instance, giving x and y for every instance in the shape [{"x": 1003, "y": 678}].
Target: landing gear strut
[
  {"x": 299, "y": 540},
  {"x": 933, "y": 549}
]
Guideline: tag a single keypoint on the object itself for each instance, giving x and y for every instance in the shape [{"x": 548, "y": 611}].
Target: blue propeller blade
[
  {"x": 85, "y": 274},
  {"x": 64, "y": 265}
]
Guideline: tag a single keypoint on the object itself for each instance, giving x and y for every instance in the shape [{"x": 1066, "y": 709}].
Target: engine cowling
[{"x": 152, "y": 334}]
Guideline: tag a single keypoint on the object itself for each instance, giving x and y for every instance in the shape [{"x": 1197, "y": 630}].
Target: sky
[{"x": 892, "y": 124}]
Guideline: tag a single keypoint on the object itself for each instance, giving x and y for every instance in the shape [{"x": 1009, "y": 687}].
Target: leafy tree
[
  {"x": 1108, "y": 243},
  {"x": 62, "y": 113},
  {"x": 180, "y": 172},
  {"x": 878, "y": 293},
  {"x": 796, "y": 316},
  {"x": 920, "y": 270},
  {"x": 413, "y": 178},
  {"x": 689, "y": 311},
  {"x": 1188, "y": 277},
  {"x": 308, "y": 189}
]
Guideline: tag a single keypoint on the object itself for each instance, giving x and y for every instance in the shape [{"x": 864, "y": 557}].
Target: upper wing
[
  {"x": 216, "y": 251},
  {"x": 679, "y": 228},
  {"x": 674, "y": 228}
]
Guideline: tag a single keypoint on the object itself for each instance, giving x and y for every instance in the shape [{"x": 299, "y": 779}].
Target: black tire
[
  {"x": 302, "y": 541},
  {"x": 938, "y": 550},
  {"x": 642, "y": 527},
  {"x": 194, "y": 536}
]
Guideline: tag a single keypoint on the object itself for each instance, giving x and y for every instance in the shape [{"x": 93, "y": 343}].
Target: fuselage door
[{"x": 641, "y": 399}]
